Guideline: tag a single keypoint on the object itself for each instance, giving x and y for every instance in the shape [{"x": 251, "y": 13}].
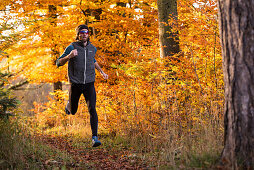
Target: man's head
[{"x": 82, "y": 33}]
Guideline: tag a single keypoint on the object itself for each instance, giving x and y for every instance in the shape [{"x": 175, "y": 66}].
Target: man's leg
[
  {"x": 74, "y": 95},
  {"x": 90, "y": 96}
]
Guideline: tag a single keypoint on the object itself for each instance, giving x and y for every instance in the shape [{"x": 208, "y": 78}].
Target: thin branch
[
  {"x": 214, "y": 60},
  {"x": 32, "y": 88},
  {"x": 81, "y": 8},
  {"x": 195, "y": 70},
  {"x": 16, "y": 86}
]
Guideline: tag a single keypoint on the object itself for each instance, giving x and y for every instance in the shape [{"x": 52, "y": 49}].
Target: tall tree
[
  {"x": 54, "y": 48},
  {"x": 168, "y": 40},
  {"x": 236, "y": 28}
]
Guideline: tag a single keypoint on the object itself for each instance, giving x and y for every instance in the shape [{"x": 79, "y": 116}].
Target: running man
[{"x": 81, "y": 74}]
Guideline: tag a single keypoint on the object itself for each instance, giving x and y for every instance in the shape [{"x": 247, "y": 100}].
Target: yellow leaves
[
  {"x": 90, "y": 5},
  {"x": 143, "y": 91},
  {"x": 134, "y": 70},
  {"x": 154, "y": 5},
  {"x": 51, "y": 117},
  {"x": 4, "y": 3}
]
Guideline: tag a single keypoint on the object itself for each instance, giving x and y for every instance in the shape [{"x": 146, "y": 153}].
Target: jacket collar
[{"x": 82, "y": 44}]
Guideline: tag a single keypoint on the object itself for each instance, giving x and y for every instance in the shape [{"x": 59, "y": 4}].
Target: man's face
[{"x": 83, "y": 35}]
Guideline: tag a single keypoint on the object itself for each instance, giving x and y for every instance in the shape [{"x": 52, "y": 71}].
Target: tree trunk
[
  {"x": 169, "y": 44},
  {"x": 94, "y": 13},
  {"x": 237, "y": 39},
  {"x": 53, "y": 15},
  {"x": 57, "y": 86}
]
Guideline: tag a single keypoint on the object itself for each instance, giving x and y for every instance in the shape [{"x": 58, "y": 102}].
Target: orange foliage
[{"x": 144, "y": 93}]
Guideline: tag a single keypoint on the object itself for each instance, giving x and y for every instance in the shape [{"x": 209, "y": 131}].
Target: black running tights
[{"x": 89, "y": 93}]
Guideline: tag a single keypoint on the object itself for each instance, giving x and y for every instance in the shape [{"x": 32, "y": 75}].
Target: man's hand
[
  {"x": 104, "y": 75},
  {"x": 73, "y": 53}
]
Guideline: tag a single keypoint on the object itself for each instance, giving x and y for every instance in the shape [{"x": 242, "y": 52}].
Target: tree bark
[
  {"x": 169, "y": 44},
  {"x": 92, "y": 12},
  {"x": 236, "y": 20},
  {"x": 53, "y": 15}
]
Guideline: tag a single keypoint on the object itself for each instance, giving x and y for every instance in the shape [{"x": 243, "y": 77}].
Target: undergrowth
[{"x": 19, "y": 150}]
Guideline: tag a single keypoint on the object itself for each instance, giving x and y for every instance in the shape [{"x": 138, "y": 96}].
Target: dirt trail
[{"x": 95, "y": 158}]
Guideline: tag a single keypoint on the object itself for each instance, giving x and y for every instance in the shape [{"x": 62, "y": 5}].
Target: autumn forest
[{"x": 162, "y": 106}]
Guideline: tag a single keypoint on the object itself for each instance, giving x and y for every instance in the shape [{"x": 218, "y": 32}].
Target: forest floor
[
  {"x": 21, "y": 150},
  {"x": 87, "y": 157}
]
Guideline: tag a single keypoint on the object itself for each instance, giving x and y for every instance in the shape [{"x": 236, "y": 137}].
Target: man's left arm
[{"x": 97, "y": 66}]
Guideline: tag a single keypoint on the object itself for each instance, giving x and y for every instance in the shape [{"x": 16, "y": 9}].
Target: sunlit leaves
[{"x": 143, "y": 92}]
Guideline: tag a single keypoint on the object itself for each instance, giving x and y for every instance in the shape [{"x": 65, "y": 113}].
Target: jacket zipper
[{"x": 85, "y": 68}]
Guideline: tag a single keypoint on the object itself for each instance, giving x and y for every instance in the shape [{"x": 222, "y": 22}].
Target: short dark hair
[{"x": 79, "y": 28}]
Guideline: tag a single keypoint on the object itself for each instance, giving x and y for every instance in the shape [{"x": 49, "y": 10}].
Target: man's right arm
[{"x": 68, "y": 53}]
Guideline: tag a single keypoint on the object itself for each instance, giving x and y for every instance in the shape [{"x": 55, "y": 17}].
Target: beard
[{"x": 81, "y": 41}]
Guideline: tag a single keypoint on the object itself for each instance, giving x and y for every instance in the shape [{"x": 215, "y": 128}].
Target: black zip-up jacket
[{"x": 81, "y": 69}]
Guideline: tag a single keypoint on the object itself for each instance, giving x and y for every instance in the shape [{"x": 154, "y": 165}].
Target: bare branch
[{"x": 16, "y": 86}]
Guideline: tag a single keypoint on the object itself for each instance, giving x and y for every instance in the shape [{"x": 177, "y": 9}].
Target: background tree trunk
[
  {"x": 168, "y": 41},
  {"x": 53, "y": 15},
  {"x": 237, "y": 38}
]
